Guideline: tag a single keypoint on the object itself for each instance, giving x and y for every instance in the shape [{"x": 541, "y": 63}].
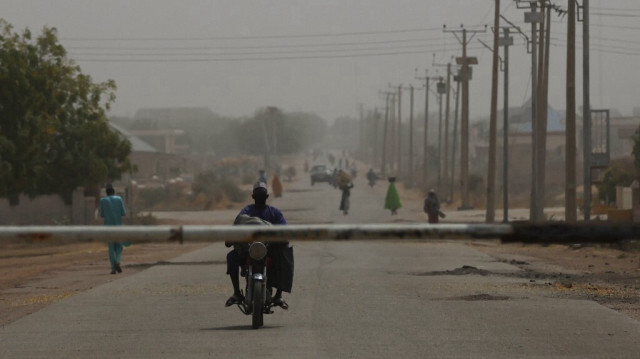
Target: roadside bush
[
  {"x": 620, "y": 173},
  {"x": 151, "y": 197},
  {"x": 216, "y": 187}
]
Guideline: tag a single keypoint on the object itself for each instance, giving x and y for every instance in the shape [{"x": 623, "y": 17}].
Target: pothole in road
[
  {"x": 464, "y": 270},
  {"x": 480, "y": 297}
]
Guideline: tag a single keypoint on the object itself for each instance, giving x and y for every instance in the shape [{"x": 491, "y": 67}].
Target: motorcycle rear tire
[{"x": 258, "y": 305}]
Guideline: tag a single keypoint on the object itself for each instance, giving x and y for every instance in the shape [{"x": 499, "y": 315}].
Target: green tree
[
  {"x": 54, "y": 134},
  {"x": 619, "y": 173}
]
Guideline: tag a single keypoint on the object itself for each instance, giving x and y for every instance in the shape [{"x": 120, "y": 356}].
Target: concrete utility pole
[
  {"x": 383, "y": 166},
  {"x": 534, "y": 18},
  {"x": 570, "y": 212},
  {"x": 361, "y": 142},
  {"x": 392, "y": 134},
  {"x": 586, "y": 110},
  {"x": 447, "y": 111},
  {"x": 399, "y": 134},
  {"x": 411, "y": 179},
  {"x": 455, "y": 137},
  {"x": 375, "y": 160},
  {"x": 425, "y": 148},
  {"x": 445, "y": 170},
  {"x": 464, "y": 128},
  {"x": 491, "y": 177},
  {"x": 542, "y": 110},
  {"x": 506, "y": 41},
  {"x": 441, "y": 91}
]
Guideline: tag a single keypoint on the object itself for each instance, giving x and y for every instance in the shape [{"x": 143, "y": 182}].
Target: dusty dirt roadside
[
  {"x": 34, "y": 275},
  {"x": 602, "y": 273}
]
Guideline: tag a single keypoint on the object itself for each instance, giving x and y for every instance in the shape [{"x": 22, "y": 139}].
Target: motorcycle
[{"x": 257, "y": 296}]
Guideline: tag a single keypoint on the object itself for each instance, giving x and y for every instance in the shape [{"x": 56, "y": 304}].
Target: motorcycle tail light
[{"x": 257, "y": 250}]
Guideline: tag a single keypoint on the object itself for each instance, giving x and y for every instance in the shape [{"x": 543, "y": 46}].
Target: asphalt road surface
[{"x": 402, "y": 299}]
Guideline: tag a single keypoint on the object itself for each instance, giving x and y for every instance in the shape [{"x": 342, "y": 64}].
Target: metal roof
[{"x": 137, "y": 145}]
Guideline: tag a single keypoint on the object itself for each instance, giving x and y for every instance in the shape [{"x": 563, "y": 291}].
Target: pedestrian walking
[
  {"x": 344, "y": 200},
  {"x": 432, "y": 207},
  {"x": 276, "y": 186},
  {"x": 262, "y": 177},
  {"x": 392, "y": 200},
  {"x": 112, "y": 210}
]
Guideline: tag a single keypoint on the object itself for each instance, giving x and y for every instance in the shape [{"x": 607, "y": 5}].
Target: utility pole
[
  {"x": 399, "y": 134},
  {"x": 534, "y": 18},
  {"x": 392, "y": 134},
  {"x": 506, "y": 41},
  {"x": 491, "y": 177},
  {"x": 446, "y": 128},
  {"x": 464, "y": 128},
  {"x": 441, "y": 91},
  {"x": 361, "y": 134},
  {"x": 375, "y": 161},
  {"x": 586, "y": 110},
  {"x": 426, "y": 129},
  {"x": 445, "y": 159},
  {"x": 383, "y": 166},
  {"x": 542, "y": 109},
  {"x": 455, "y": 136},
  {"x": 411, "y": 181},
  {"x": 570, "y": 212}
]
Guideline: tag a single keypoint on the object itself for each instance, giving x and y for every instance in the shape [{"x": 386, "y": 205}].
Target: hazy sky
[{"x": 322, "y": 56}]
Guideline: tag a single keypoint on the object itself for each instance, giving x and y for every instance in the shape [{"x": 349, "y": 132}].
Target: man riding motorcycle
[{"x": 280, "y": 275}]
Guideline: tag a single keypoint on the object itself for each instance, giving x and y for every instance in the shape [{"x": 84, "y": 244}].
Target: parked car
[{"x": 320, "y": 173}]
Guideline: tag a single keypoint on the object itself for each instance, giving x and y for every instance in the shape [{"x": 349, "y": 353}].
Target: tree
[
  {"x": 619, "y": 173},
  {"x": 54, "y": 135}
]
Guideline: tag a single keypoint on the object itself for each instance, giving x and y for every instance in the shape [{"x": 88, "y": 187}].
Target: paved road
[{"x": 350, "y": 300}]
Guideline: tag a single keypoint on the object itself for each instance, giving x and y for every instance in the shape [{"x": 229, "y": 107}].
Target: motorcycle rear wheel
[{"x": 258, "y": 305}]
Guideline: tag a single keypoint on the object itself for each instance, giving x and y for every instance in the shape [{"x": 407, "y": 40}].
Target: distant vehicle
[{"x": 320, "y": 173}]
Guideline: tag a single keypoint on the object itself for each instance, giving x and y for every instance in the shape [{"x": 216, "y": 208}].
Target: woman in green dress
[{"x": 392, "y": 201}]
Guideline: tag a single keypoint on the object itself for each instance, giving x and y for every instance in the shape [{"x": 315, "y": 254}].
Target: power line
[
  {"x": 606, "y": 26},
  {"x": 616, "y": 9},
  {"x": 315, "y": 57},
  {"x": 254, "y": 37},
  {"x": 276, "y": 52},
  {"x": 616, "y": 15},
  {"x": 156, "y": 48}
]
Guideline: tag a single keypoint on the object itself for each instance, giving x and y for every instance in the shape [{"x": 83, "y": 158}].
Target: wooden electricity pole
[
  {"x": 411, "y": 181},
  {"x": 383, "y": 166},
  {"x": 586, "y": 111},
  {"x": 425, "y": 147},
  {"x": 570, "y": 212},
  {"x": 493, "y": 120},
  {"x": 399, "y": 134},
  {"x": 465, "y": 61}
]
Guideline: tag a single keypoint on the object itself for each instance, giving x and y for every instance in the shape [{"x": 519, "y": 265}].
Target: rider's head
[{"x": 260, "y": 193}]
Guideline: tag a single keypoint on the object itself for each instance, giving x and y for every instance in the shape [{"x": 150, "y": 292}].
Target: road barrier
[{"x": 529, "y": 233}]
